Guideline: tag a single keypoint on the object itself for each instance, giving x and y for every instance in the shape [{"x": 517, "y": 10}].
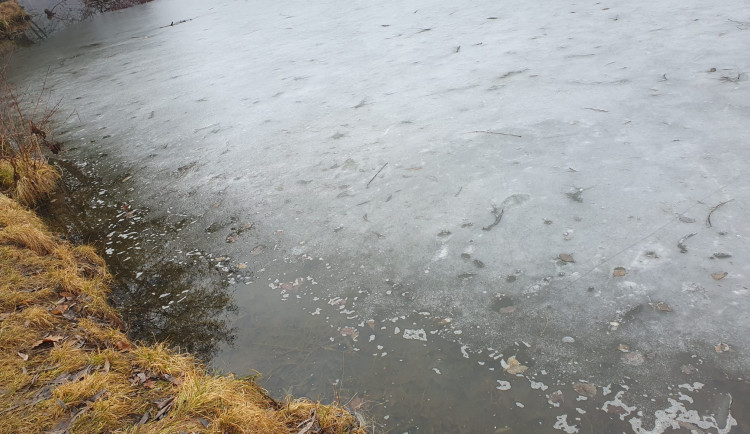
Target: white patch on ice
[
  {"x": 562, "y": 424},
  {"x": 437, "y": 371},
  {"x": 676, "y": 416},
  {"x": 503, "y": 385},
  {"x": 418, "y": 334},
  {"x": 441, "y": 254},
  {"x": 464, "y": 353},
  {"x": 622, "y": 408},
  {"x": 692, "y": 388}
]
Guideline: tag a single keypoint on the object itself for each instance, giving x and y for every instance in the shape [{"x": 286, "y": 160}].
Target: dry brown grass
[
  {"x": 13, "y": 20},
  {"x": 24, "y": 172},
  {"x": 65, "y": 364}
]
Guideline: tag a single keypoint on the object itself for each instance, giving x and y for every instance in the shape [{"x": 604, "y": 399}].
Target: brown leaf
[
  {"x": 719, "y": 275},
  {"x": 513, "y": 367},
  {"x": 624, "y": 348},
  {"x": 371, "y": 323},
  {"x": 619, "y": 272},
  {"x": 149, "y": 384},
  {"x": 557, "y": 397},
  {"x": 565, "y": 257},
  {"x": 47, "y": 340},
  {"x": 585, "y": 389},
  {"x": 122, "y": 345},
  {"x": 67, "y": 294},
  {"x": 349, "y": 331},
  {"x": 356, "y": 403},
  {"x": 661, "y": 306},
  {"x": 723, "y": 348},
  {"x": 60, "y": 309}
]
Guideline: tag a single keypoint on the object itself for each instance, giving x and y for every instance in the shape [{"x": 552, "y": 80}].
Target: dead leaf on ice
[
  {"x": 624, "y": 348},
  {"x": 349, "y": 331},
  {"x": 565, "y": 257},
  {"x": 585, "y": 389},
  {"x": 661, "y": 306},
  {"x": 723, "y": 348},
  {"x": 508, "y": 309},
  {"x": 619, "y": 272},
  {"x": 513, "y": 367},
  {"x": 719, "y": 275}
]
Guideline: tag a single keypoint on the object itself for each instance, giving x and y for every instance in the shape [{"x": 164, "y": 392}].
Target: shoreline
[{"x": 68, "y": 365}]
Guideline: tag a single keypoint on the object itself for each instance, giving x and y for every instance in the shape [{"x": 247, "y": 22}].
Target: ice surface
[{"x": 525, "y": 170}]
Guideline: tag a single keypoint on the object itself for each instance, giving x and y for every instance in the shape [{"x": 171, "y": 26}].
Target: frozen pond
[{"x": 411, "y": 202}]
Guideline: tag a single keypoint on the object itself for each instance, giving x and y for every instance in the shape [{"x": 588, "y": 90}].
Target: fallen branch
[
  {"x": 681, "y": 243},
  {"x": 174, "y": 23},
  {"x": 708, "y": 218},
  {"x": 498, "y": 216},
  {"x": 373, "y": 178},
  {"x": 495, "y": 132}
]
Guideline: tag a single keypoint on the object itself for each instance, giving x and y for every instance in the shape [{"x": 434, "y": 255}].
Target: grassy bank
[{"x": 66, "y": 364}]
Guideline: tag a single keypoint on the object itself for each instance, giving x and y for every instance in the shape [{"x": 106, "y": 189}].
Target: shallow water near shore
[{"x": 392, "y": 206}]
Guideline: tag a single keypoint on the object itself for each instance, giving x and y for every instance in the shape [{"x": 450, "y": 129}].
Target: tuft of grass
[
  {"x": 24, "y": 172},
  {"x": 37, "y": 180},
  {"x": 27, "y": 236},
  {"x": 14, "y": 20},
  {"x": 65, "y": 364}
]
